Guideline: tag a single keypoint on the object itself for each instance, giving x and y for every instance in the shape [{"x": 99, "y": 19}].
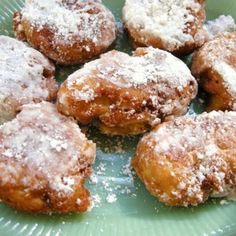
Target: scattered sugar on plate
[
  {"x": 101, "y": 168},
  {"x": 93, "y": 179},
  {"x": 111, "y": 198},
  {"x": 224, "y": 202}
]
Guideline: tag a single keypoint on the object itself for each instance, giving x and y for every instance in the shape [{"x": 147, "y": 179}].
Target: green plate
[{"x": 134, "y": 212}]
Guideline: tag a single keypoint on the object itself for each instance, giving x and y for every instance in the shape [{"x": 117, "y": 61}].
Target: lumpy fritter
[
  {"x": 44, "y": 161},
  {"x": 185, "y": 161},
  {"x": 214, "y": 66},
  {"x": 173, "y": 25},
  {"x": 68, "y": 32},
  {"x": 128, "y": 94}
]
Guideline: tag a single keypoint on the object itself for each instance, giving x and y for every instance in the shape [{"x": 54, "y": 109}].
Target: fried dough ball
[
  {"x": 214, "y": 65},
  {"x": 68, "y": 32},
  {"x": 185, "y": 161},
  {"x": 25, "y": 76},
  {"x": 173, "y": 25},
  {"x": 128, "y": 94},
  {"x": 44, "y": 161}
]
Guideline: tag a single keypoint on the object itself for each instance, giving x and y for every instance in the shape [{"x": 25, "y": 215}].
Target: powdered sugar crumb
[
  {"x": 86, "y": 94},
  {"x": 96, "y": 199},
  {"x": 224, "y": 202},
  {"x": 111, "y": 198},
  {"x": 78, "y": 201}
]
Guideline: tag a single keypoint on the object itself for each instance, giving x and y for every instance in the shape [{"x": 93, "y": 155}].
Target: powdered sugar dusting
[
  {"x": 202, "y": 145},
  {"x": 47, "y": 142},
  {"x": 228, "y": 74},
  {"x": 111, "y": 198},
  {"x": 188, "y": 133},
  {"x": 86, "y": 94},
  {"x": 82, "y": 19},
  {"x": 220, "y": 25},
  {"x": 155, "y": 66},
  {"x": 22, "y": 72},
  {"x": 167, "y": 20}
]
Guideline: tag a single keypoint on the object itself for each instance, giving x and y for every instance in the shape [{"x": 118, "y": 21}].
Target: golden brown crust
[
  {"x": 128, "y": 94},
  {"x": 44, "y": 200},
  {"x": 69, "y": 48},
  {"x": 142, "y": 35},
  {"x": 214, "y": 65},
  {"x": 44, "y": 161},
  {"x": 187, "y": 160}
]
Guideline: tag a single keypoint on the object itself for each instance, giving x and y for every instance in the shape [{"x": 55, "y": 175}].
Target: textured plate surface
[{"x": 135, "y": 212}]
